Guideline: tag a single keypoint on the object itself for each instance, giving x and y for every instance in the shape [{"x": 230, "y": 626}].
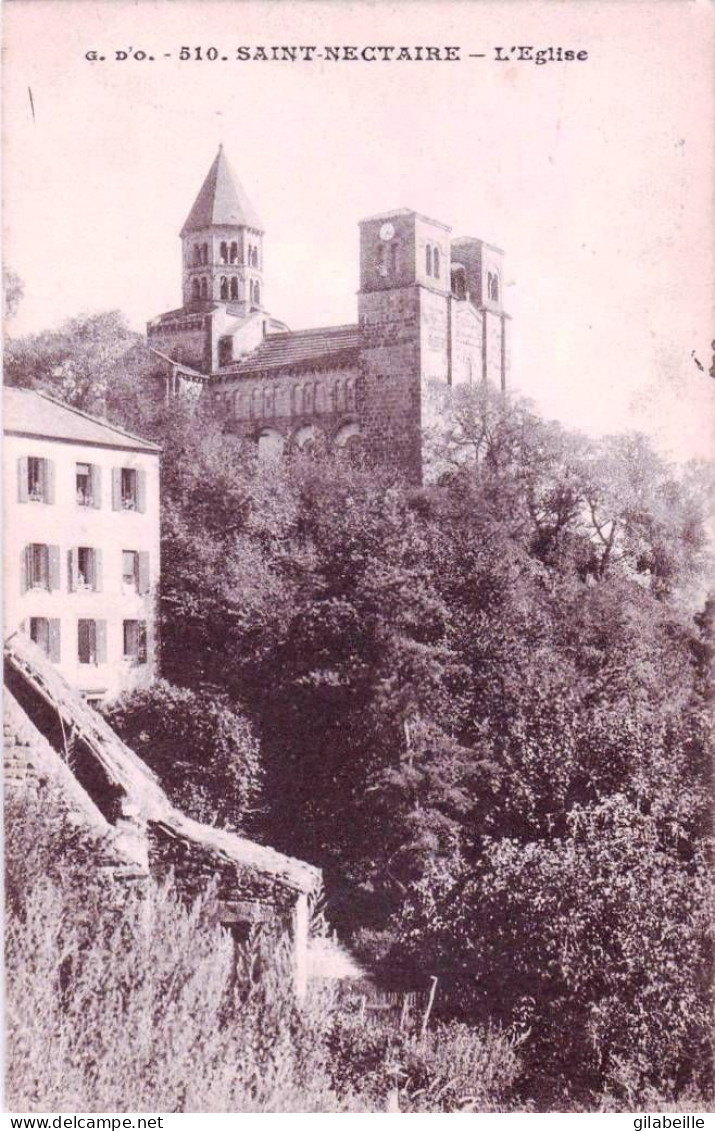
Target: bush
[
  {"x": 203, "y": 750},
  {"x": 128, "y": 1002},
  {"x": 453, "y": 1067}
]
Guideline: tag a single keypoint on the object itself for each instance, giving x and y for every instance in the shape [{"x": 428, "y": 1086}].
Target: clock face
[{"x": 387, "y": 231}]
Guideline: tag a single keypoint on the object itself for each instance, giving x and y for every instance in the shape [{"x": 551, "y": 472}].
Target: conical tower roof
[{"x": 222, "y": 201}]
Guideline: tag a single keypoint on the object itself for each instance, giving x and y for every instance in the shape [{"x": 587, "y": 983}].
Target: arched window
[
  {"x": 254, "y": 257},
  {"x": 435, "y": 263},
  {"x": 204, "y": 288},
  {"x": 204, "y": 254},
  {"x": 350, "y": 391},
  {"x": 195, "y": 289},
  {"x": 197, "y": 255},
  {"x": 459, "y": 282},
  {"x": 494, "y": 287},
  {"x": 223, "y": 251},
  {"x": 428, "y": 259},
  {"x": 233, "y": 255},
  {"x": 224, "y": 287},
  {"x": 234, "y": 287},
  {"x": 270, "y": 444},
  {"x": 394, "y": 256},
  {"x": 257, "y": 293}
]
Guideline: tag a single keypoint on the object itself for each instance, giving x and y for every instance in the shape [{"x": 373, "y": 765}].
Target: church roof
[
  {"x": 297, "y": 348},
  {"x": 222, "y": 201},
  {"x": 28, "y": 412}
]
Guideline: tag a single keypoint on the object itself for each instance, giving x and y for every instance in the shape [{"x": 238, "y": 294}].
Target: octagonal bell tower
[{"x": 222, "y": 244}]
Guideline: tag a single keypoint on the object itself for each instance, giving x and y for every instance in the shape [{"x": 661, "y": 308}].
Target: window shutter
[
  {"x": 96, "y": 483},
  {"x": 97, "y": 580},
  {"x": 141, "y": 491},
  {"x": 25, "y": 569},
  {"x": 53, "y": 554},
  {"x": 143, "y": 580},
  {"x": 49, "y": 473},
  {"x": 141, "y": 642},
  {"x": 54, "y": 640},
  {"x": 116, "y": 488},
  {"x": 22, "y": 479},
  {"x": 101, "y": 635},
  {"x": 72, "y": 569}
]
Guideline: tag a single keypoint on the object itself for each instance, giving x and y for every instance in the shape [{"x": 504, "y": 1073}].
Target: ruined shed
[{"x": 48, "y": 724}]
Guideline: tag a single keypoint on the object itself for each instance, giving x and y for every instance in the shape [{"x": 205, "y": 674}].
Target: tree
[
  {"x": 94, "y": 362},
  {"x": 203, "y": 751}
]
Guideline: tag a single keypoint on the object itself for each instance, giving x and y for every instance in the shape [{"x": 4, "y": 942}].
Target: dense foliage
[
  {"x": 203, "y": 751},
  {"x": 122, "y": 1000},
  {"x": 482, "y": 707}
]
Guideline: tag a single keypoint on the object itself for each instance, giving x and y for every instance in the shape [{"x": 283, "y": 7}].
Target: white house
[{"x": 81, "y": 542}]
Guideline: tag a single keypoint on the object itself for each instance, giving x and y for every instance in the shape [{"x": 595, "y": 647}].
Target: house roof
[
  {"x": 135, "y": 783},
  {"x": 27, "y": 412},
  {"x": 337, "y": 345},
  {"x": 222, "y": 201}
]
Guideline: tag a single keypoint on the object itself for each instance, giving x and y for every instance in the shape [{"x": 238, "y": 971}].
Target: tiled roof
[
  {"x": 297, "y": 348},
  {"x": 222, "y": 201},
  {"x": 28, "y": 412}
]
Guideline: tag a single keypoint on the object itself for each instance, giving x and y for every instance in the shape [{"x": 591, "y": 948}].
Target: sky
[{"x": 595, "y": 176}]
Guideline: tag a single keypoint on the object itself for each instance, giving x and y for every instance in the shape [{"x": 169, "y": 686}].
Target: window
[
  {"x": 394, "y": 256},
  {"x": 195, "y": 289},
  {"x": 135, "y": 572},
  {"x": 84, "y": 569},
  {"x": 204, "y": 288},
  {"x": 129, "y": 489},
  {"x": 84, "y": 484},
  {"x": 40, "y": 567},
  {"x": 224, "y": 252},
  {"x": 92, "y": 641},
  {"x": 45, "y": 632},
  {"x": 130, "y": 569},
  {"x": 204, "y": 254},
  {"x": 88, "y": 483},
  {"x": 197, "y": 255},
  {"x": 40, "y": 633},
  {"x": 459, "y": 283},
  {"x": 35, "y": 480},
  {"x": 493, "y": 287},
  {"x": 225, "y": 350},
  {"x": 428, "y": 259},
  {"x": 234, "y": 287},
  {"x": 38, "y": 562},
  {"x": 257, "y": 293},
  {"x": 435, "y": 263},
  {"x": 135, "y": 641},
  {"x": 233, "y": 256},
  {"x": 86, "y": 562},
  {"x": 223, "y": 288}
]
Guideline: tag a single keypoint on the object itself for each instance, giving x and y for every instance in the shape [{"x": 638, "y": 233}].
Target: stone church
[{"x": 430, "y": 310}]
